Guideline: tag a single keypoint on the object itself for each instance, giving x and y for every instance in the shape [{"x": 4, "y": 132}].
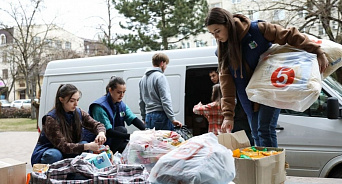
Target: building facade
[{"x": 45, "y": 44}]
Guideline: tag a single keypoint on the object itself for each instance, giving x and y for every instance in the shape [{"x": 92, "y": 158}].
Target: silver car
[
  {"x": 312, "y": 141},
  {"x": 5, "y": 104}
]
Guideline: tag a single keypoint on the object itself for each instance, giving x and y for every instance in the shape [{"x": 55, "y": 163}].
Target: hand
[
  {"x": 200, "y": 103},
  {"x": 93, "y": 146},
  {"x": 177, "y": 123},
  {"x": 322, "y": 62},
  {"x": 227, "y": 126},
  {"x": 100, "y": 138}
]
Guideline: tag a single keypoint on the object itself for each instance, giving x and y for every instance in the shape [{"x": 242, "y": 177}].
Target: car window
[{"x": 317, "y": 109}]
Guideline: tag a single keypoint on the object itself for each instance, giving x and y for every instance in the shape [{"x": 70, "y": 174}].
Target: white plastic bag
[
  {"x": 333, "y": 52},
  {"x": 286, "y": 78},
  {"x": 146, "y": 147},
  {"x": 199, "y": 160}
]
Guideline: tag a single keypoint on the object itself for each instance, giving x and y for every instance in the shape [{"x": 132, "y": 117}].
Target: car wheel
[{"x": 336, "y": 172}]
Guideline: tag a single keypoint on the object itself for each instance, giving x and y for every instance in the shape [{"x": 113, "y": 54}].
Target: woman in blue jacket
[
  {"x": 113, "y": 113},
  {"x": 240, "y": 43}
]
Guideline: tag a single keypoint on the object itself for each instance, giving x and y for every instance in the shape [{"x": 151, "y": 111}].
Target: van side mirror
[{"x": 332, "y": 108}]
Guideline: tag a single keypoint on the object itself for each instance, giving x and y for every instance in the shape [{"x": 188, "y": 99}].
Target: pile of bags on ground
[{"x": 151, "y": 156}]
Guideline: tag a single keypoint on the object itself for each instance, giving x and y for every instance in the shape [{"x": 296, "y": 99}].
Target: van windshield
[{"x": 334, "y": 85}]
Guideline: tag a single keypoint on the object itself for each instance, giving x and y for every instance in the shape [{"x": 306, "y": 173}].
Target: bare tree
[{"x": 106, "y": 35}]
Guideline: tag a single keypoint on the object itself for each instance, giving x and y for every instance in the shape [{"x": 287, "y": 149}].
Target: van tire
[{"x": 336, "y": 172}]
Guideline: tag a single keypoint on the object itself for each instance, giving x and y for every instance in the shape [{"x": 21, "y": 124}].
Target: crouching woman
[{"x": 62, "y": 129}]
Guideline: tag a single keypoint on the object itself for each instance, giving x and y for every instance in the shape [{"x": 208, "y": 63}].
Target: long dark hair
[
  {"x": 217, "y": 94},
  {"x": 113, "y": 83},
  {"x": 72, "y": 134},
  {"x": 229, "y": 52}
]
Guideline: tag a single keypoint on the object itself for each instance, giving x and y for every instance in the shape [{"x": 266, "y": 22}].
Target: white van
[{"x": 312, "y": 141}]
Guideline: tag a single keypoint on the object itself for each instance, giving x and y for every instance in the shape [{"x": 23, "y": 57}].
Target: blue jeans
[
  {"x": 53, "y": 155},
  {"x": 158, "y": 120},
  {"x": 263, "y": 126}
]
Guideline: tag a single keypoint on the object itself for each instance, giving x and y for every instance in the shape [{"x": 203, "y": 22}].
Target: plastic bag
[
  {"x": 286, "y": 78},
  {"x": 333, "y": 52},
  {"x": 146, "y": 147},
  {"x": 199, "y": 160}
]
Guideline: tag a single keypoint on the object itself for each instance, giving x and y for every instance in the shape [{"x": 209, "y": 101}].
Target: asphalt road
[{"x": 18, "y": 146}]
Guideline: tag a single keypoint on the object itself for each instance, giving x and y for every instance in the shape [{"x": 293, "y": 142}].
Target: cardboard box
[
  {"x": 12, "y": 171},
  {"x": 268, "y": 170}
]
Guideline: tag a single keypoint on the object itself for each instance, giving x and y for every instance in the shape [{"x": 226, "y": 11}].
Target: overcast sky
[{"x": 80, "y": 17}]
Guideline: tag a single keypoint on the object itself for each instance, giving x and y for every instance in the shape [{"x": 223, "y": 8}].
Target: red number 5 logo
[{"x": 282, "y": 77}]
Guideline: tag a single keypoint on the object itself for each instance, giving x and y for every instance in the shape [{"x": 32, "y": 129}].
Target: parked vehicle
[
  {"x": 5, "y": 104},
  {"x": 312, "y": 141},
  {"x": 22, "y": 103}
]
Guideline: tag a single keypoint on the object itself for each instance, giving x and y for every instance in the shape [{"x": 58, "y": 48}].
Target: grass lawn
[{"x": 18, "y": 124}]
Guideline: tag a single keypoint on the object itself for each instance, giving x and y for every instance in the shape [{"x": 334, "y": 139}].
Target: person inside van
[
  {"x": 240, "y": 43},
  {"x": 212, "y": 111},
  {"x": 214, "y": 76},
  {"x": 113, "y": 113},
  {"x": 62, "y": 129},
  {"x": 155, "y": 97},
  {"x": 240, "y": 117}
]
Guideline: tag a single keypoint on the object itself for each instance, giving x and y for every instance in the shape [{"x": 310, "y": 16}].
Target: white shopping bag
[
  {"x": 285, "y": 78},
  {"x": 333, "y": 52}
]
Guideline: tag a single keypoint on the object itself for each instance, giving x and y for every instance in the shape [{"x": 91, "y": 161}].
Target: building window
[
  {"x": 36, "y": 40},
  {"x": 236, "y": 1},
  {"x": 302, "y": 13},
  {"x": 200, "y": 43},
  {"x": 5, "y": 74},
  {"x": 58, "y": 44},
  {"x": 321, "y": 30},
  {"x": 87, "y": 49},
  {"x": 214, "y": 5},
  {"x": 3, "y": 39},
  {"x": 48, "y": 42},
  {"x": 4, "y": 57},
  {"x": 22, "y": 83},
  {"x": 188, "y": 45},
  {"x": 253, "y": 14},
  {"x": 279, "y": 15},
  {"x": 67, "y": 45}
]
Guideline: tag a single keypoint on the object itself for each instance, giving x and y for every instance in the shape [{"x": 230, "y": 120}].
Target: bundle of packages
[
  {"x": 254, "y": 153},
  {"x": 199, "y": 160},
  {"x": 78, "y": 170},
  {"x": 286, "y": 78},
  {"x": 146, "y": 147},
  {"x": 333, "y": 52}
]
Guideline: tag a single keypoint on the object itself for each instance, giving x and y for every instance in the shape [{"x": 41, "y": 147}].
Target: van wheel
[{"x": 336, "y": 172}]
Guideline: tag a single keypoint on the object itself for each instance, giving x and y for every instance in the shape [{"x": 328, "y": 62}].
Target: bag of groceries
[
  {"x": 285, "y": 78},
  {"x": 146, "y": 147},
  {"x": 333, "y": 52},
  {"x": 201, "y": 159}
]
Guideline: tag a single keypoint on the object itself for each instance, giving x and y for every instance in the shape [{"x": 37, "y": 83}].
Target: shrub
[{"x": 15, "y": 113}]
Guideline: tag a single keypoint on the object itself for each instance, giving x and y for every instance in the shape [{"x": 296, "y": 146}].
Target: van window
[{"x": 317, "y": 109}]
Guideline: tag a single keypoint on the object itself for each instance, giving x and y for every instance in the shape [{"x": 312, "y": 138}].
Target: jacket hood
[
  {"x": 152, "y": 70},
  {"x": 242, "y": 24}
]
